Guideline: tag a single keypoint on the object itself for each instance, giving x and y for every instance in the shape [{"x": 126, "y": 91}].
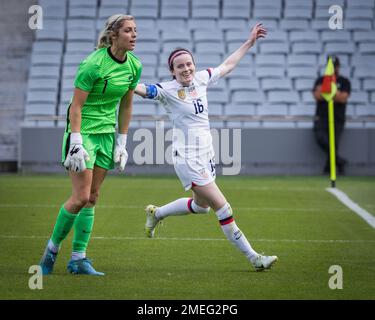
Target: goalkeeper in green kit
[{"x": 91, "y": 146}]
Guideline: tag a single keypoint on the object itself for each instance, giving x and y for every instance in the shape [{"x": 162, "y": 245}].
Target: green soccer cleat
[
  {"x": 151, "y": 220},
  {"x": 261, "y": 262},
  {"x": 83, "y": 266},
  {"x": 48, "y": 261}
]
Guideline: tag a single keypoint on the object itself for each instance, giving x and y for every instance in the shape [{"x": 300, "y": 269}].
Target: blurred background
[{"x": 268, "y": 96}]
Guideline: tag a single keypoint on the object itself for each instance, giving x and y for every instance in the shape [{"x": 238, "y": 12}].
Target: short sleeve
[
  {"x": 86, "y": 76},
  {"x": 208, "y": 76},
  {"x": 136, "y": 78},
  {"x": 346, "y": 86}
]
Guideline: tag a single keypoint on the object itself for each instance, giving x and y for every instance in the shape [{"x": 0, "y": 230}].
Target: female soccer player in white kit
[{"x": 185, "y": 100}]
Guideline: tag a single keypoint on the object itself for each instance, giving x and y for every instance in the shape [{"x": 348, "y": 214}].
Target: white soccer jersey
[{"x": 188, "y": 110}]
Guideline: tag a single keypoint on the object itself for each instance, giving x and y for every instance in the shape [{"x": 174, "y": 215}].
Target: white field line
[
  {"x": 342, "y": 197},
  {"x": 276, "y": 209},
  {"x": 200, "y": 239}
]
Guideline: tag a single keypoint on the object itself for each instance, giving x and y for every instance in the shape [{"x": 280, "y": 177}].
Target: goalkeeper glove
[
  {"x": 77, "y": 155},
  {"x": 120, "y": 155}
]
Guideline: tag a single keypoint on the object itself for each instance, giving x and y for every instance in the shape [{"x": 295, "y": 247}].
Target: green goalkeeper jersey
[{"x": 107, "y": 80}]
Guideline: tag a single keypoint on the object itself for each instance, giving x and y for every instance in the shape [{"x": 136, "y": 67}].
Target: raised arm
[{"x": 231, "y": 62}]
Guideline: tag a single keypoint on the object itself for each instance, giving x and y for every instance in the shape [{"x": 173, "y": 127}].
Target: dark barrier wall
[{"x": 245, "y": 151}]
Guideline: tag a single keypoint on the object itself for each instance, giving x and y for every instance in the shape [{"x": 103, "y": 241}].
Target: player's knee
[
  {"x": 199, "y": 209},
  {"x": 82, "y": 200}
]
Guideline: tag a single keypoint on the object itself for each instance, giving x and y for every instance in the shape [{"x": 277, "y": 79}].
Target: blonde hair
[{"x": 112, "y": 26}]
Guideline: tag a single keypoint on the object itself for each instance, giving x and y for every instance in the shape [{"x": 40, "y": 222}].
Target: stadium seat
[
  {"x": 247, "y": 109},
  {"x": 45, "y": 59},
  {"x": 45, "y": 84},
  {"x": 83, "y": 12},
  {"x": 320, "y": 24},
  {"x": 302, "y": 72},
  {"x": 47, "y": 47},
  {"x": 181, "y": 12},
  {"x": 146, "y": 47},
  {"x": 45, "y": 72},
  {"x": 270, "y": 60},
  {"x": 358, "y": 97},
  {"x": 41, "y": 109},
  {"x": 294, "y": 24},
  {"x": 339, "y": 48},
  {"x": 268, "y": 4},
  {"x": 276, "y": 84},
  {"x": 267, "y": 13},
  {"x": 248, "y": 97},
  {"x": 365, "y": 110},
  {"x": 165, "y": 24},
  {"x": 295, "y": 12},
  {"x": 307, "y": 47},
  {"x": 80, "y": 47},
  {"x": 114, "y": 3},
  {"x": 270, "y": 72},
  {"x": 303, "y": 36},
  {"x": 357, "y": 24},
  {"x": 369, "y": 85},
  {"x": 298, "y": 4},
  {"x": 359, "y": 13},
  {"x": 202, "y": 12},
  {"x": 217, "y": 96},
  {"x": 302, "y": 60},
  {"x": 364, "y": 36},
  {"x": 328, "y": 3},
  {"x": 105, "y": 12},
  {"x": 73, "y": 59},
  {"x": 274, "y": 47},
  {"x": 81, "y": 36},
  {"x": 367, "y": 48},
  {"x": 278, "y": 109},
  {"x": 369, "y": 4},
  {"x": 240, "y": 72},
  {"x": 236, "y": 13},
  {"x": 243, "y": 84},
  {"x": 232, "y": 24},
  {"x": 308, "y": 98},
  {"x": 283, "y": 96},
  {"x": 304, "y": 84},
  {"x": 208, "y": 36},
  {"x": 144, "y": 107},
  {"x": 210, "y": 47},
  {"x": 302, "y": 110},
  {"x": 215, "y": 109},
  {"x": 144, "y": 12},
  {"x": 243, "y": 4},
  {"x": 364, "y": 72},
  {"x": 201, "y": 24}
]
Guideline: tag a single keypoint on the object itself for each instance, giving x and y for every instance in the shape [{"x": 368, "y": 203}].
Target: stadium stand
[{"x": 274, "y": 79}]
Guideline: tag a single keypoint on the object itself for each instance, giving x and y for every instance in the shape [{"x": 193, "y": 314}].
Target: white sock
[
  {"x": 178, "y": 207},
  {"x": 52, "y": 246},
  {"x": 78, "y": 255},
  {"x": 233, "y": 233}
]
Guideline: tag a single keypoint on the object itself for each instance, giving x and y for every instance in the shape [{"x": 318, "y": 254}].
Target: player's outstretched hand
[
  {"x": 77, "y": 155},
  {"x": 120, "y": 154},
  {"x": 257, "y": 32}
]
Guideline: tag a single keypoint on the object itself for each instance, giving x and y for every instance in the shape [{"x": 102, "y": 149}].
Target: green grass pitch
[{"x": 292, "y": 217}]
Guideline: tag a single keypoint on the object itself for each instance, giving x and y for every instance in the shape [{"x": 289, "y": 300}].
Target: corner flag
[{"x": 329, "y": 89}]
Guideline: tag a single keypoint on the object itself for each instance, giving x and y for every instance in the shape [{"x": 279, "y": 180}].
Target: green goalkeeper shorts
[{"x": 98, "y": 146}]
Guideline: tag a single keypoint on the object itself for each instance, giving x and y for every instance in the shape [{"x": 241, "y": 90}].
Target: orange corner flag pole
[{"x": 329, "y": 90}]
